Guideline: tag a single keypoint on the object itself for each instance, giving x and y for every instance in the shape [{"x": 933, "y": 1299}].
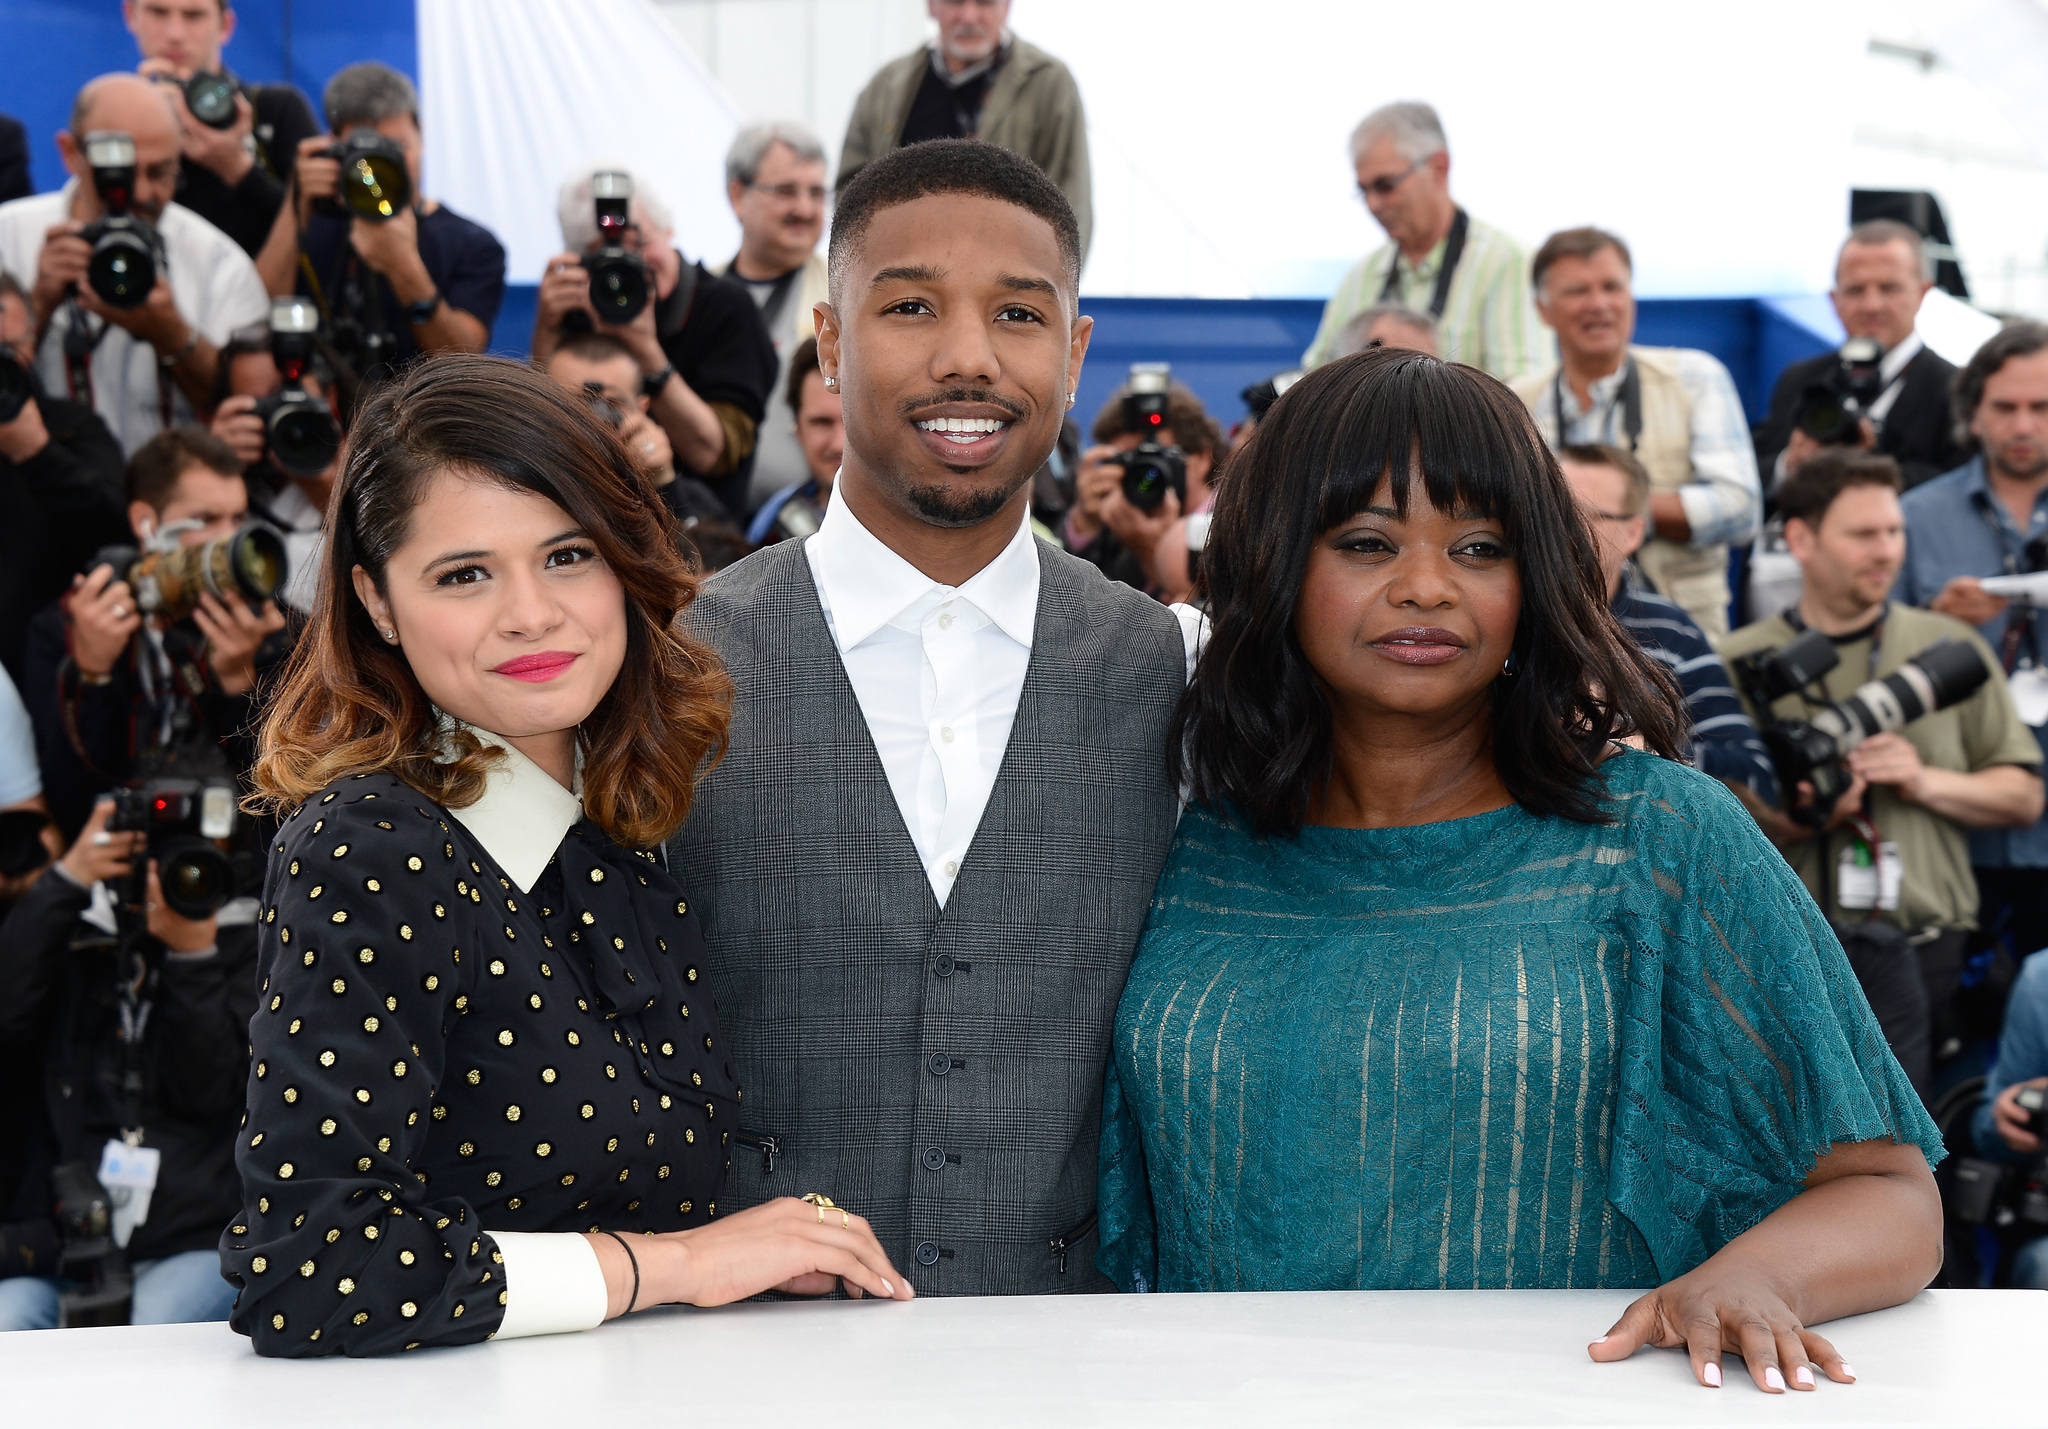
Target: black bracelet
[{"x": 635, "y": 1260}]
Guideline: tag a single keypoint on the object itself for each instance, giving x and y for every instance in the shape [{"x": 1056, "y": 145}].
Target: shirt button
[
  {"x": 934, "y": 1159},
  {"x": 939, "y": 1064},
  {"x": 952, "y": 867},
  {"x": 927, "y": 1253},
  {"x": 945, "y": 622},
  {"x": 943, "y": 965},
  {"x": 946, "y": 733}
]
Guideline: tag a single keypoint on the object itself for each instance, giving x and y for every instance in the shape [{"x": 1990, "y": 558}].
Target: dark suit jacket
[
  {"x": 15, "y": 180},
  {"x": 1918, "y": 431}
]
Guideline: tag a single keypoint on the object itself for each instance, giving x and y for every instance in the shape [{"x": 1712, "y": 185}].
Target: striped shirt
[
  {"x": 1489, "y": 317},
  {"x": 1722, "y": 501},
  {"x": 1724, "y": 739}
]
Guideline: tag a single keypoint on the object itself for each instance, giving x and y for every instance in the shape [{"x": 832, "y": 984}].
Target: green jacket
[{"x": 1033, "y": 109}]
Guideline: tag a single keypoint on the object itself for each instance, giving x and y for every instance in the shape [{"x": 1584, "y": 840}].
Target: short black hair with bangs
[{"x": 1253, "y": 733}]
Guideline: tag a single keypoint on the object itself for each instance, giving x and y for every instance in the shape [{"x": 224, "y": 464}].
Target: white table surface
[{"x": 1973, "y": 1358}]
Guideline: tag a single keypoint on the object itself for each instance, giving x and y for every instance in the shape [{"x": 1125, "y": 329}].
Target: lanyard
[
  {"x": 82, "y": 344},
  {"x": 1629, "y": 399},
  {"x": 1454, "y": 249}
]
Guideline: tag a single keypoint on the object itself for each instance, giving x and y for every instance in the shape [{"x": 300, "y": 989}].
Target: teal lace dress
[{"x": 1495, "y": 1052}]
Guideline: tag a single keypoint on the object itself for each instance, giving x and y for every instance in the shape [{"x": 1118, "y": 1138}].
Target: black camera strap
[
  {"x": 1874, "y": 632},
  {"x": 1629, "y": 400},
  {"x": 2021, "y": 626},
  {"x": 80, "y": 343},
  {"x": 1454, "y": 249}
]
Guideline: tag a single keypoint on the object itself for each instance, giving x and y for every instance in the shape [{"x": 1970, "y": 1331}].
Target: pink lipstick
[
  {"x": 1420, "y": 645},
  {"x": 537, "y": 669}
]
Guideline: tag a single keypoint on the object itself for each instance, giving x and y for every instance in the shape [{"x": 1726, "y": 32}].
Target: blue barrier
[{"x": 1220, "y": 346}]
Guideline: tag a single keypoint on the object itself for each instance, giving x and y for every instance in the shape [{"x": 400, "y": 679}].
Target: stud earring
[
  {"x": 390, "y": 634},
  {"x": 1509, "y": 667},
  {"x": 831, "y": 384},
  {"x": 1070, "y": 399}
]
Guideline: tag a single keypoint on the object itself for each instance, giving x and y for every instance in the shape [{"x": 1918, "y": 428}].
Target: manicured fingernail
[
  {"x": 1601, "y": 1341},
  {"x": 1772, "y": 1379},
  {"x": 888, "y": 1289},
  {"x": 1712, "y": 1375},
  {"x": 1849, "y": 1372},
  {"x": 1804, "y": 1374}
]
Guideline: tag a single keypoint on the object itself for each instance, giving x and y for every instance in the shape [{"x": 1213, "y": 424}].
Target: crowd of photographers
[{"x": 188, "y": 324}]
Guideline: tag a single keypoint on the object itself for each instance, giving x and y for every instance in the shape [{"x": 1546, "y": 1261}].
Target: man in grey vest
[{"x": 924, "y": 860}]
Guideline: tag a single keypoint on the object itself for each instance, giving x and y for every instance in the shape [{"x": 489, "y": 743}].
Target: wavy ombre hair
[{"x": 348, "y": 703}]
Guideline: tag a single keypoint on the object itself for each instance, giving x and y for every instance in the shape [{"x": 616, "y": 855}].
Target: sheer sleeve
[
  {"x": 1126, "y": 1236},
  {"x": 1748, "y": 1048},
  {"x": 341, "y": 1246}
]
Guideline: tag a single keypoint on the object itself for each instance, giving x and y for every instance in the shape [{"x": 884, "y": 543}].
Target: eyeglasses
[
  {"x": 790, "y": 193},
  {"x": 1384, "y": 186}
]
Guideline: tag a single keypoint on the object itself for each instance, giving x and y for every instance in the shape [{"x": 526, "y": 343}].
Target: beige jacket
[{"x": 1033, "y": 109}]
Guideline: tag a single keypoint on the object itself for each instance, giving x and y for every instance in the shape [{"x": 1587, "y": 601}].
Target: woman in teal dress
[{"x": 1444, "y": 985}]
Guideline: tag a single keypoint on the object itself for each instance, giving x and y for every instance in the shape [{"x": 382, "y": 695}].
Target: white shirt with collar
[
  {"x": 937, "y": 671},
  {"x": 212, "y": 281}
]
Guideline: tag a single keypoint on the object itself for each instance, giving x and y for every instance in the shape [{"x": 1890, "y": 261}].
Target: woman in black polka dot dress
[{"x": 488, "y": 1096}]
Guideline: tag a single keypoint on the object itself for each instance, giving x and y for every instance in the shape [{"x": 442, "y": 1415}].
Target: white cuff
[{"x": 553, "y": 1284}]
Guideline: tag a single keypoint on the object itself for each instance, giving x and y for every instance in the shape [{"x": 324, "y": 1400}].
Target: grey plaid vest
[{"x": 939, "y": 1072}]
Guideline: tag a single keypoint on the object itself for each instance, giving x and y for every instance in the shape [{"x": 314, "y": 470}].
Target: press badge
[
  {"x": 1861, "y": 883},
  {"x": 129, "y": 1174},
  {"x": 2029, "y": 686}
]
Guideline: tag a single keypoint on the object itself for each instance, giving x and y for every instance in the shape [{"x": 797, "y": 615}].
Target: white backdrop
[{"x": 516, "y": 94}]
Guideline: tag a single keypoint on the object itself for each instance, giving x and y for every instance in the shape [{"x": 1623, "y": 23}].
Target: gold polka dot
[
  {"x": 277, "y": 1322},
  {"x": 263, "y": 1204},
  {"x": 468, "y": 1148},
  {"x": 398, "y": 1069},
  {"x": 295, "y": 867},
  {"x": 475, "y": 1076},
  {"x": 347, "y": 1286},
  {"x": 294, "y": 1028},
  {"x": 340, "y": 849},
  {"x": 333, "y": 1236},
  {"x": 308, "y": 958},
  {"x": 510, "y": 936},
  {"x": 338, "y": 986},
  {"x": 284, "y": 935},
  {"x": 291, "y": 1094},
  {"x": 533, "y": 1000},
  {"x": 546, "y": 971},
  {"x": 405, "y": 931},
  {"x": 363, "y": 1095},
  {"x": 318, "y": 889},
  {"x": 327, "y": 1127},
  {"x": 439, "y": 911},
  {"x": 545, "y": 1148},
  {"x": 505, "y": 1038},
  {"x": 406, "y": 1257},
  {"x": 370, "y": 1024},
  {"x": 432, "y": 982},
  {"x": 681, "y": 908},
  {"x": 590, "y": 918},
  {"x": 612, "y": 1145},
  {"x": 665, "y": 1103},
  {"x": 497, "y": 967},
  {"x": 391, "y": 1004},
  {"x": 690, "y": 1134},
  {"x": 588, "y": 1111},
  {"x": 683, "y": 1206},
  {"x": 547, "y": 1074},
  {"x": 512, "y": 1205},
  {"x": 362, "y": 1317},
  {"x": 362, "y": 1163},
  {"x": 367, "y": 955},
  {"x": 574, "y": 1040},
  {"x": 502, "y": 1294},
  {"x": 373, "y": 885},
  {"x": 327, "y": 1058},
  {"x": 306, "y": 1270},
  {"x": 259, "y": 1265},
  {"x": 493, "y": 1179},
  {"x": 255, "y": 1141},
  {"x": 413, "y": 863},
  {"x": 284, "y": 1172},
  {"x": 275, "y": 1003},
  {"x": 512, "y": 1112},
  {"x": 262, "y": 1070},
  {"x": 456, "y": 1313},
  {"x": 340, "y": 915},
  {"x": 384, "y": 1145},
  {"x": 597, "y": 875}
]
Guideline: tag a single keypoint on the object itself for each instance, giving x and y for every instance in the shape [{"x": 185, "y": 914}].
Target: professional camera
[
  {"x": 618, "y": 276},
  {"x": 168, "y": 579},
  {"x": 127, "y": 253},
  {"x": 99, "y": 1283},
  {"x": 374, "y": 184},
  {"x": 1260, "y": 396},
  {"x": 1150, "y": 468},
  {"x": 211, "y": 98},
  {"x": 298, "y": 428},
  {"x": 16, "y": 386},
  {"x": 2034, "y": 1102},
  {"x": 1832, "y": 410},
  {"x": 1945, "y": 673},
  {"x": 182, "y": 818}
]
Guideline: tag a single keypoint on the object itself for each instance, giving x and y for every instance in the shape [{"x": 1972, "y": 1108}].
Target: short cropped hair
[
  {"x": 369, "y": 93},
  {"x": 952, "y": 166},
  {"x": 1411, "y": 124},
  {"x": 1193, "y": 428},
  {"x": 594, "y": 347},
  {"x": 1808, "y": 492},
  {"x": 751, "y": 145},
  {"x": 578, "y": 210},
  {"x": 154, "y": 471},
  {"x": 1355, "y": 334},
  {"x": 1601, "y": 454},
  {"x": 1576, "y": 243},
  {"x": 1875, "y": 231},
  {"x": 802, "y": 363},
  {"x": 1966, "y": 388}
]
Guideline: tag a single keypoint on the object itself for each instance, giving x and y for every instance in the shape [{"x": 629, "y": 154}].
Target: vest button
[
  {"x": 927, "y": 1253},
  {"x": 943, "y": 965},
  {"x": 934, "y": 1158},
  {"x": 939, "y": 1064}
]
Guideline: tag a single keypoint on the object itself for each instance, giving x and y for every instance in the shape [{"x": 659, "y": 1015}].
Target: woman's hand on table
[
  {"x": 1713, "y": 1311},
  {"x": 786, "y": 1244}
]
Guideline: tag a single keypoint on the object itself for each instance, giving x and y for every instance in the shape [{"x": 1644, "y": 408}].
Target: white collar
[
  {"x": 1894, "y": 362},
  {"x": 523, "y": 815},
  {"x": 867, "y": 585}
]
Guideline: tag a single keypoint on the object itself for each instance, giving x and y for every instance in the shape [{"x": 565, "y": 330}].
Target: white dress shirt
[
  {"x": 212, "y": 282},
  {"x": 937, "y": 671}
]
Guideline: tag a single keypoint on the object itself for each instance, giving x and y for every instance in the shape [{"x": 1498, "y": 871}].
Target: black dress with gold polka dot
[{"x": 436, "y": 1055}]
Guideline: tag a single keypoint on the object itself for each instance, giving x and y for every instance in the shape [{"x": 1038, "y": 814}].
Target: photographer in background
[
  {"x": 820, "y": 426},
  {"x": 1104, "y": 526},
  {"x": 1614, "y": 492},
  {"x": 1895, "y": 847},
  {"x": 60, "y": 483},
  {"x": 425, "y": 279},
  {"x": 706, "y": 364},
  {"x": 1881, "y": 276},
  {"x": 80, "y": 966},
  {"x": 15, "y": 181},
  {"x": 151, "y": 365},
  {"x": 775, "y": 179},
  {"x": 1674, "y": 409},
  {"x": 239, "y": 146},
  {"x": 2004, "y": 1130},
  {"x": 118, "y": 696}
]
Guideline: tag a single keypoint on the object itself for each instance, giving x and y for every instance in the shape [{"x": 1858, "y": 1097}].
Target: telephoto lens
[
  {"x": 211, "y": 98},
  {"x": 16, "y": 386},
  {"x": 250, "y": 560},
  {"x": 1945, "y": 673},
  {"x": 127, "y": 254},
  {"x": 618, "y": 276},
  {"x": 374, "y": 182}
]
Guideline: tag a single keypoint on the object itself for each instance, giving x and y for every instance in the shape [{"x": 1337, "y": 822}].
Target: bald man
[{"x": 146, "y": 367}]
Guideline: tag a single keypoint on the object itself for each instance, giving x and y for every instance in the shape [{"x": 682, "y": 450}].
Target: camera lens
[
  {"x": 197, "y": 877},
  {"x": 122, "y": 269},
  {"x": 256, "y": 556},
  {"x": 302, "y": 435},
  {"x": 211, "y": 98},
  {"x": 374, "y": 182},
  {"x": 15, "y": 387},
  {"x": 618, "y": 285}
]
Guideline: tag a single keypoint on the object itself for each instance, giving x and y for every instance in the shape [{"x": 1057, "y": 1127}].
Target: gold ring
[{"x": 824, "y": 1204}]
